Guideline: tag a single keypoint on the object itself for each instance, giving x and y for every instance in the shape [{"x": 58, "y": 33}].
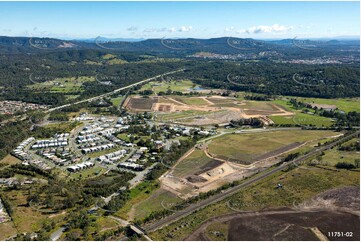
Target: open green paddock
[
  {"x": 331, "y": 158},
  {"x": 196, "y": 101},
  {"x": 63, "y": 85},
  {"x": 247, "y": 147},
  {"x": 116, "y": 101},
  {"x": 344, "y": 104},
  {"x": 302, "y": 119},
  {"x": 259, "y": 105},
  {"x": 158, "y": 201},
  {"x": 137, "y": 195},
  {"x": 192, "y": 164},
  {"x": 163, "y": 86}
]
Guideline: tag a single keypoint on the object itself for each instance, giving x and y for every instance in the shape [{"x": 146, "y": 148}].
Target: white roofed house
[
  {"x": 158, "y": 144},
  {"x": 131, "y": 166}
]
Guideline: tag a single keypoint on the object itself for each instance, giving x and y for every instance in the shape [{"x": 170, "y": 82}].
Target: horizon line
[{"x": 344, "y": 37}]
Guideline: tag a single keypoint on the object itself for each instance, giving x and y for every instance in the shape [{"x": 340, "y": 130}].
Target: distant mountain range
[{"x": 223, "y": 45}]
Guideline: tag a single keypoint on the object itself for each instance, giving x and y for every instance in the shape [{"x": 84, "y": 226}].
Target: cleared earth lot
[
  {"x": 233, "y": 157},
  {"x": 202, "y": 110},
  {"x": 299, "y": 184},
  {"x": 314, "y": 219}
]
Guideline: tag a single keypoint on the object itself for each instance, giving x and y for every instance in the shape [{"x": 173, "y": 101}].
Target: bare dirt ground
[
  {"x": 232, "y": 108},
  {"x": 216, "y": 118},
  {"x": 346, "y": 199},
  {"x": 137, "y": 103},
  {"x": 335, "y": 210}
]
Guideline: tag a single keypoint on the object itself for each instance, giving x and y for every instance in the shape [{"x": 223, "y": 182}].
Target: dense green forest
[
  {"x": 326, "y": 81},
  {"x": 17, "y": 73}
]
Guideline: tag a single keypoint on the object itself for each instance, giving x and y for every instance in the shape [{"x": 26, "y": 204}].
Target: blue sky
[{"x": 179, "y": 19}]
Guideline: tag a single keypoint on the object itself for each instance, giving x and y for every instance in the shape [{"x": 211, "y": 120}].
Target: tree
[
  {"x": 49, "y": 200},
  {"x": 357, "y": 163}
]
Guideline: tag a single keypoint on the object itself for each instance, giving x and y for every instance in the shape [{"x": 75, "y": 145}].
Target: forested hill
[
  {"x": 30, "y": 66},
  {"x": 183, "y": 47}
]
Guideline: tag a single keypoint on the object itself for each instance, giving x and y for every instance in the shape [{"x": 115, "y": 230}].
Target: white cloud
[
  {"x": 154, "y": 30},
  {"x": 276, "y": 28},
  {"x": 132, "y": 28},
  {"x": 185, "y": 29},
  {"x": 168, "y": 30},
  {"x": 228, "y": 29}
]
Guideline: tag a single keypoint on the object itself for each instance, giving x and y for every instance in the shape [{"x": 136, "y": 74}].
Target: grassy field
[
  {"x": 299, "y": 185},
  {"x": 26, "y": 219},
  {"x": 222, "y": 100},
  {"x": 245, "y": 147},
  {"x": 137, "y": 194},
  {"x": 87, "y": 173},
  {"x": 106, "y": 223},
  {"x": 344, "y": 104},
  {"x": 222, "y": 228},
  {"x": 10, "y": 160},
  {"x": 102, "y": 152},
  {"x": 334, "y": 156},
  {"x": 163, "y": 99},
  {"x": 63, "y": 85},
  {"x": 191, "y": 100},
  {"x": 63, "y": 127},
  {"x": 191, "y": 164},
  {"x": 124, "y": 136},
  {"x": 154, "y": 203},
  {"x": 225, "y": 102},
  {"x": 7, "y": 230},
  {"x": 259, "y": 105},
  {"x": 302, "y": 119},
  {"x": 116, "y": 101},
  {"x": 177, "y": 86},
  {"x": 299, "y": 117},
  {"x": 309, "y": 119},
  {"x": 285, "y": 104},
  {"x": 112, "y": 59}
]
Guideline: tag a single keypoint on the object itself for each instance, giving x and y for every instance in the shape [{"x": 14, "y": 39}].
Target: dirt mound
[
  {"x": 196, "y": 179},
  {"x": 209, "y": 166},
  {"x": 344, "y": 197},
  {"x": 164, "y": 107}
]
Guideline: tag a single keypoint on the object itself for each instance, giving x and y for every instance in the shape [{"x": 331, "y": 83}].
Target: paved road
[
  {"x": 56, "y": 235},
  {"x": 132, "y": 183},
  {"x": 112, "y": 92},
  {"x": 220, "y": 196}
]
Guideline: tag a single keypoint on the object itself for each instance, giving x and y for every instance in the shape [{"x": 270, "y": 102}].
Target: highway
[
  {"x": 226, "y": 193},
  {"x": 56, "y": 235},
  {"x": 112, "y": 92}
]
